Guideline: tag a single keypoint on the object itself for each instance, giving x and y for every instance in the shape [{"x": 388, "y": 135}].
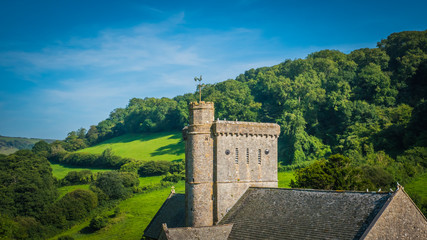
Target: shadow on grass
[
  {"x": 171, "y": 149},
  {"x": 86, "y": 230}
]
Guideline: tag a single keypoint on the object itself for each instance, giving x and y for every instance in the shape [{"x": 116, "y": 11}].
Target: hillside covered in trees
[
  {"x": 348, "y": 121},
  {"x": 356, "y": 104}
]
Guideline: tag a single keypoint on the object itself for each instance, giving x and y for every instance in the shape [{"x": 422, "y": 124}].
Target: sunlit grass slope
[
  {"x": 135, "y": 215},
  {"x": 146, "y": 146},
  {"x": 285, "y": 178},
  {"x": 60, "y": 171},
  {"x": 419, "y": 186}
]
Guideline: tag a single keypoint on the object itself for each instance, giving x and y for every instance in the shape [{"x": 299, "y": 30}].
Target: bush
[
  {"x": 154, "y": 168},
  {"x": 77, "y": 177},
  {"x": 77, "y": 204},
  {"x": 105, "y": 160},
  {"x": 116, "y": 185},
  {"x": 98, "y": 223},
  {"x": 175, "y": 177},
  {"x": 131, "y": 166}
]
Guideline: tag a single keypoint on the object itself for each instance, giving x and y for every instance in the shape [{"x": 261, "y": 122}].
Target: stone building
[{"x": 231, "y": 193}]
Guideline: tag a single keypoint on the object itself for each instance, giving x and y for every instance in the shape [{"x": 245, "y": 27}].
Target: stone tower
[
  {"x": 199, "y": 165},
  {"x": 223, "y": 159}
]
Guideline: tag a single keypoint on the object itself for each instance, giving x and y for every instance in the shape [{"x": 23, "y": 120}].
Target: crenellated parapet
[{"x": 235, "y": 128}]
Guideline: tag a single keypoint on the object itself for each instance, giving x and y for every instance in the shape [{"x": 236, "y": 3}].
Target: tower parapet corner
[{"x": 201, "y": 104}]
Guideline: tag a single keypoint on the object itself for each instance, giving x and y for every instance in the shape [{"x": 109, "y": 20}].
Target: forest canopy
[{"x": 328, "y": 103}]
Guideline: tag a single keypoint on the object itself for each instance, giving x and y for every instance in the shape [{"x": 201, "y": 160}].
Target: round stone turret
[{"x": 199, "y": 165}]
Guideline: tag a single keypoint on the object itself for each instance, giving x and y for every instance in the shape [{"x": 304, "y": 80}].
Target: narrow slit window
[
  {"x": 236, "y": 160},
  {"x": 259, "y": 156},
  {"x": 247, "y": 155}
]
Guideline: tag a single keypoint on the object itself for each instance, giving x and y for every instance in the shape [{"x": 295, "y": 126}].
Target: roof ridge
[{"x": 321, "y": 190}]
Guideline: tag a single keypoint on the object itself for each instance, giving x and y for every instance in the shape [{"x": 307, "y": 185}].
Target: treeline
[{"x": 354, "y": 104}]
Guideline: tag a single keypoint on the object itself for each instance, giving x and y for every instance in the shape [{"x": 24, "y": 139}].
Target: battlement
[
  {"x": 245, "y": 128},
  {"x": 201, "y": 104}
]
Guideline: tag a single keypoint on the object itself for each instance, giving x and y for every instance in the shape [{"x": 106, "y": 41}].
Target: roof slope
[
  {"x": 172, "y": 212},
  {"x": 275, "y": 213},
  {"x": 218, "y": 232}
]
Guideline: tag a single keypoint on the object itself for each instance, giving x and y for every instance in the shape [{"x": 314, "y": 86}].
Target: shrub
[
  {"x": 77, "y": 177},
  {"x": 175, "y": 177},
  {"x": 154, "y": 168},
  {"x": 77, "y": 204},
  {"x": 116, "y": 185},
  {"x": 98, "y": 223}
]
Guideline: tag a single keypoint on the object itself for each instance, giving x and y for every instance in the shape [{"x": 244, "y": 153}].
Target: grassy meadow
[
  {"x": 419, "y": 186},
  {"x": 148, "y": 146},
  {"x": 135, "y": 215},
  {"x": 60, "y": 171},
  {"x": 285, "y": 178}
]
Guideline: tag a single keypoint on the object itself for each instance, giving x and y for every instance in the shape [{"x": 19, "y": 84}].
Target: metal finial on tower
[{"x": 200, "y": 85}]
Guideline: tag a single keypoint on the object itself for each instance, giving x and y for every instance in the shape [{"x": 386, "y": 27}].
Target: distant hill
[
  {"x": 10, "y": 145},
  {"x": 146, "y": 146}
]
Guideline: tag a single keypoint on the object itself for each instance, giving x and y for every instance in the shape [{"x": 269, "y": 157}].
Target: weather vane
[{"x": 200, "y": 85}]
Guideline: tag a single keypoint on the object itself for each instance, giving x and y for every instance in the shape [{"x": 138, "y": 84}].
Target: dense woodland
[
  {"x": 348, "y": 121},
  {"x": 356, "y": 104}
]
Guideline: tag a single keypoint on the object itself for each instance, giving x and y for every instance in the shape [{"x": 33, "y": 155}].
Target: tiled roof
[
  {"x": 218, "y": 232},
  {"x": 172, "y": 213},
  {"x": 277, "y": 213}
]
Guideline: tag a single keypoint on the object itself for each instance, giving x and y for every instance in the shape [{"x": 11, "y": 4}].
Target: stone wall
[
  {"x": 399, "y": 219},
  {"x": 245, "y": 155},
  {"x": 199, "y": 165},
  {"x": 223, "y": 159}
]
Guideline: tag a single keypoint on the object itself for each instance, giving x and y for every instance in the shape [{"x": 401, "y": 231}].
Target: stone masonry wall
[
  {"x": 245, "y": 155},
  {"x": 223, "y": 159},
  {"x": 400, "y": 220},
  {"x": 199, "y": 166}
]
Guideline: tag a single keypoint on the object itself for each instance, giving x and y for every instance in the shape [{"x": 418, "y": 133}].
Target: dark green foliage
[
  {"x": 42, "y": 148},
  {"x": 177, "y": 167},
  {"x": 153, "y": 168},
  {"x": 77, "y": 177},
  {"x": 336, "y": 173},
  {"x": 106, "y": 160},
  {"x": 131, "y": 166},
  {"x": 98, "y": 222},
  {"x": 26, "y": 184},
  {"x": 28, "y": 228},
  {"x": 115, "y": 185},
  {"x": 330, "y": 102},
  {"x": 77, "y": 204},
  {"x": 175, "y": 177},
  {"x": 66, "y": 237}
]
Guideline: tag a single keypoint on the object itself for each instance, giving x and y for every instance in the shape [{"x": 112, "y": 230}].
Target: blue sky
[{"x": 67, "y": 64}]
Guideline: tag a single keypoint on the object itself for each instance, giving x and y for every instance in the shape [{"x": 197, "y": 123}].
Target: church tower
[
  {"x": 223, "y": 159},
  {"x": 199, "y": 165}
]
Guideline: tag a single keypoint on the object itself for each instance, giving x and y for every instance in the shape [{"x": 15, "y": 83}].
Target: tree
[
  {"x": 77, "y": 204},
  {"x": 335, "y": 173},
  {"x": 27, "y": 185},
  {"x": 116, "y": 185}
]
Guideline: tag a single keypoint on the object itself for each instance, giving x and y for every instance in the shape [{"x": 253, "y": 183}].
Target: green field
[
  {"x": 148, "y": 146},
  {"x": 418, "y": 185},
  {"x": 60, "y": 171},
  {"x": 135, "y": 215},
  {"x": 285, "y": 178}
]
